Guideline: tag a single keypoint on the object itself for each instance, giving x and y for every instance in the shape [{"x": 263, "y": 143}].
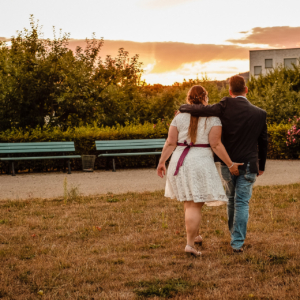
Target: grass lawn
[{"x": 131, "y": 246}]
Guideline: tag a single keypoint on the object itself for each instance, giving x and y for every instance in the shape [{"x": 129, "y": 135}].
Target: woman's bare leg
[{"x": 192, "y": 220}]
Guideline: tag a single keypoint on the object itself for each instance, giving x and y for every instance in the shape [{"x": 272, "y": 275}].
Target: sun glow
[{"x": 215, "y": 70}]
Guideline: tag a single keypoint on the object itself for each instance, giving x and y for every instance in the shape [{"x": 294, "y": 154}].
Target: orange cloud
[
  {"x": 279, "y": 36},
  {"x": 169, "y": 56}
]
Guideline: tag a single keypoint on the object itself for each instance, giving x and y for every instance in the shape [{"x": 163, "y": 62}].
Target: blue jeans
[{"x": 238, "y": 191}]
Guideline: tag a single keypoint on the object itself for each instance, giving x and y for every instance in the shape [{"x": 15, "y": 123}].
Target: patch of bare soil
[{"x": 51, "y": 185}]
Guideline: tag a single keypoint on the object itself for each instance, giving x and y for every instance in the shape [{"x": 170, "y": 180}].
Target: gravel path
[{"x": 50, "y": 185}]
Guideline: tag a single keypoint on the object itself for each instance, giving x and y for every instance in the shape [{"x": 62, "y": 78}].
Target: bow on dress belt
[{"x": 186, "y": 151}]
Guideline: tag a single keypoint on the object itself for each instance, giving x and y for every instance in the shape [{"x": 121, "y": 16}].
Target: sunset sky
[{"x": 176, "y": 39}]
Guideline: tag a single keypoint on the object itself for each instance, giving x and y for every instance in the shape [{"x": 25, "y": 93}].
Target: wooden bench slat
[
  {"x": 136, "y": 140},
  {"x": 35, "y": 146},
  {"x": 132, "y": 145},
  {"x": 120, "y": 141},
  {"x": 126, "y": 147},
  {"x": 36, "y": 143},
  {"x": 39, "y": 157},
  {"x": 129, "y": 154},
  {"x": 37, "y": 150},
  {"x": 130, "y": 141}
]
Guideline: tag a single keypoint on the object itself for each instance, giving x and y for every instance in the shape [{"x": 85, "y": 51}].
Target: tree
[
  {"x": 278, "y": 93},
  {"x": 42, "y": 77}
]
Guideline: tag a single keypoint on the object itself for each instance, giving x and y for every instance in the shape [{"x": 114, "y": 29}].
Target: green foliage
[
  {"x": 278, "y": 93},
  {"x": 161, "y": 102},
  {"x": 42, "y": 78},
  {"x": 293, "y": 136},
  {"x": 216, "y": 89},
  {"x": 278, "y": 148}
]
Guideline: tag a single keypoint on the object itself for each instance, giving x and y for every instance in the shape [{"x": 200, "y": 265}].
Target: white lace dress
[{"x": 198, "y": 179}]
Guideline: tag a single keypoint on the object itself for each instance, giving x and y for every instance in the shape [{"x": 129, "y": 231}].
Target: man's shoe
[{"x": 238, "y": 250}]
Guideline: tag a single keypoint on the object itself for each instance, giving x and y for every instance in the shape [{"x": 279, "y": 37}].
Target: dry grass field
[{"x": 130, "y": 246}]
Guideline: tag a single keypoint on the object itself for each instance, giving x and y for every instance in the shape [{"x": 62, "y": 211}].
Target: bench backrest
[
  {"x": 130, "y": 144},
  {"x": 8, "y": 148}
]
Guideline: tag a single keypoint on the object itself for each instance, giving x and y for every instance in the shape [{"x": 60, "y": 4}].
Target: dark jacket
[{"x": 244, "y": 132}]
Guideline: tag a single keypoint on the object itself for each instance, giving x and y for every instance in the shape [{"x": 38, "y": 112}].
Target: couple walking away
[{"x": 236, "y": 131}]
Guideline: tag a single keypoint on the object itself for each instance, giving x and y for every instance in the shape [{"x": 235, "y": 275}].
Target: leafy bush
[
  {"x": 85, "y": 137},
  {"x": 278, "y": 93},
  {"x": 278, "y": 148},
  {"x": 293, "y": 136}
]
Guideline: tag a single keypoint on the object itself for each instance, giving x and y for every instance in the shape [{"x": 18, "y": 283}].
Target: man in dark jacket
[{"x": 244, "y": 135}]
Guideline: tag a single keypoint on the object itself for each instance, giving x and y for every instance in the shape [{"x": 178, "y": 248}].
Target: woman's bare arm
[
  {"x": 214, "y": 138},
  {"x": 168, "y": 149}
]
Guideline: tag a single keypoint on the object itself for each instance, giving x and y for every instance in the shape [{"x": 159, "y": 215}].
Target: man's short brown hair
[{"x": 237, "y": 84}]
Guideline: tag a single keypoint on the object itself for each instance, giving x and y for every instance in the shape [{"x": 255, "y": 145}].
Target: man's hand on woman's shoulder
[{"x": 188, "y": 108}]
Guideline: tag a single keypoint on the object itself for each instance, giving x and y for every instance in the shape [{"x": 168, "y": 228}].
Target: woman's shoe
[
  {"x": 198, "y": 240},
  {"x": 189, "y": 250}
]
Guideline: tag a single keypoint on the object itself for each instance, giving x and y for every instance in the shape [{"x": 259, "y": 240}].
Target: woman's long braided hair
[{"x": 196, "y": 95}]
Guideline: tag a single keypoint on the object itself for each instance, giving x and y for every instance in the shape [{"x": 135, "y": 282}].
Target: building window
[
  {"x": 257, "y": 70},
  {"x": 268, "y": 63},
  {"x": 289, "y": 62}
]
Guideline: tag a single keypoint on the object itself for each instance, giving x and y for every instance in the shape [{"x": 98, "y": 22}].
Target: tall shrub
[
  {"x": 278, "y": 93},
  {"x": 293, "y": 136}
]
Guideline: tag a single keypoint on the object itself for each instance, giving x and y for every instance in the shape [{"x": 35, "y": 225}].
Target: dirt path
[{"x": 50, "y": 185}]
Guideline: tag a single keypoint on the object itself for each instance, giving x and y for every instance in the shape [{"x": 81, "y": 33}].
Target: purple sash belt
[{"x": 186, "y": 151}]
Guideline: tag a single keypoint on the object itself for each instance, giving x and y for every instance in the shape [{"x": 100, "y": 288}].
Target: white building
[{"x": 261, "y": 61}]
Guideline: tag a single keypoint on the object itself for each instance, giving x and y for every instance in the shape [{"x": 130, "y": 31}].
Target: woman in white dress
[{"x": 192, "y": 176}]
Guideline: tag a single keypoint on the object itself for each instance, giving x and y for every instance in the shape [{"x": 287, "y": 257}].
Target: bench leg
[
  {"x": 64, "y": 169},
  {"x": 156, "y": 160},
  {"x": 114, "y": 165},
  {"x": 13, "y": 169},
  {"x": 107, "y": 164},
  {"x": 69, "y": 167}
]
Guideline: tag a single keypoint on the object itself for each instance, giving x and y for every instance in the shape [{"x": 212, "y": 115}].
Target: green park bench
[
  {"x": 45, "y": 147},
  {"x": 117, "y": 145}
]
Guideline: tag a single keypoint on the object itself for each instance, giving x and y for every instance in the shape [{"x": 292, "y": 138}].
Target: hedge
[
  {"x": 85, "y": 136},
  {"x": 278, "y": 148}
]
